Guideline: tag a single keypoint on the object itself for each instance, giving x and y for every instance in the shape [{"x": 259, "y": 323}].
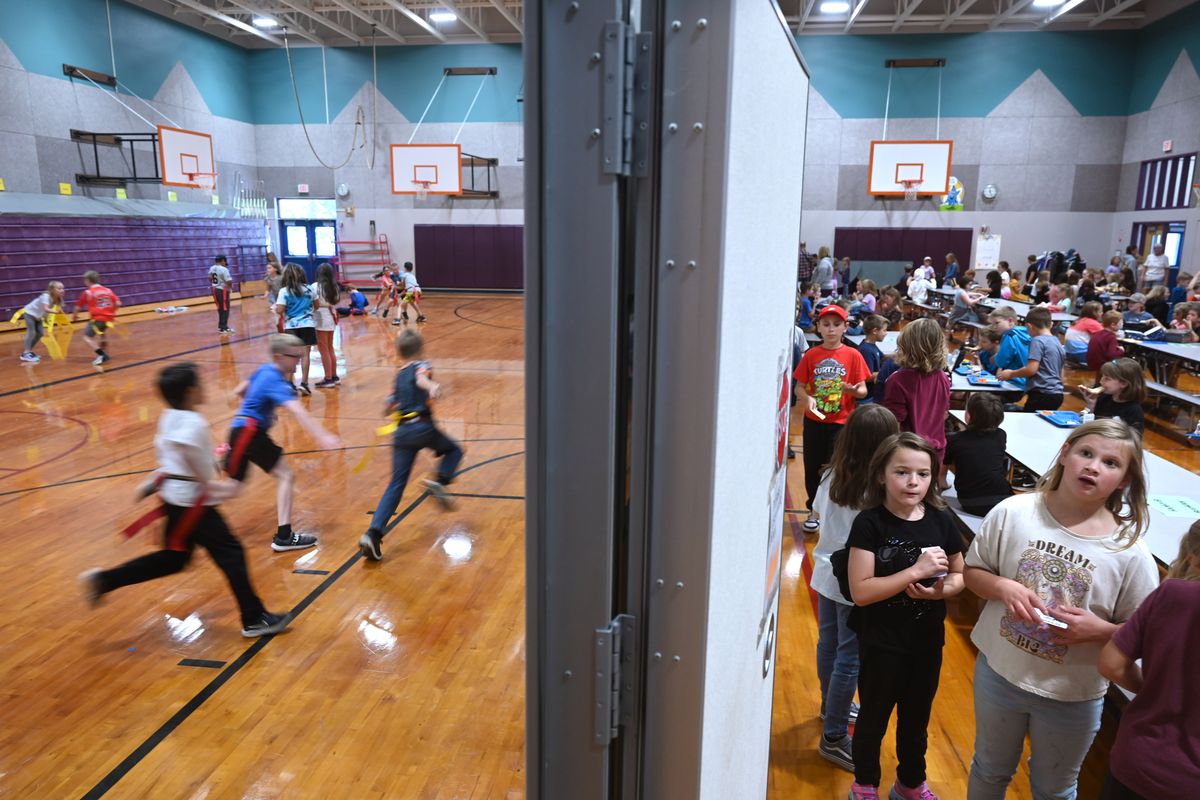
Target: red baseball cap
[{"x": 833, "y": 308}]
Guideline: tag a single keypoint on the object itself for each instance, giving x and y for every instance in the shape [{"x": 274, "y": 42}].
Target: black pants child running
[
  {"x": 213, "y": 535},
  {"x": 411, "y": 438},
  {"x": 906, "y": 681}
]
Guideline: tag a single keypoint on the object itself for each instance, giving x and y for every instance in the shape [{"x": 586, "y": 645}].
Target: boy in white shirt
[
  {"x": 188, "y": 485},
  {"x": 918, "y": 289}
]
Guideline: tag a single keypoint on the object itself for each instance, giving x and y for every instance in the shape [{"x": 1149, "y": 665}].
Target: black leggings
[
  {"x": 213, "y": 535},
  {"x": 819, "y": 439},
  {"x": 908, "y": 683},
  {"x": 1043, "y": 401}
]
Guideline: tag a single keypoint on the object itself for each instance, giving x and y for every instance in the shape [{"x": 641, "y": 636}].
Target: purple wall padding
[
  {"x": 469, "y": 256},
  {"x": 905, "y": 244},
  {"x": 142, "y": 259}
]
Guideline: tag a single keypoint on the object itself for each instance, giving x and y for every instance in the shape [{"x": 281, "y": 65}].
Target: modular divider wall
[{"x": 470, "y": 256}]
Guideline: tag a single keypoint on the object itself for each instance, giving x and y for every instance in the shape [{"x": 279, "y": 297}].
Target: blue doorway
[{"x": 308, "y": 243}]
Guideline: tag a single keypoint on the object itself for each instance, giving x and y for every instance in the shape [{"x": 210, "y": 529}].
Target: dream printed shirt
[
  {"x": 827, "y": 376},
  {"x": 1020, "y": 540},
  {"x": 266, "y": 390}
]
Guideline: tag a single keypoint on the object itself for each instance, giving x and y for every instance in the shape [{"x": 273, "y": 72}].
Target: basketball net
[
  {"x": 910, "y": 189},
  {"x": 206, "y": 182},
  {"x": 422, "y": 189}
]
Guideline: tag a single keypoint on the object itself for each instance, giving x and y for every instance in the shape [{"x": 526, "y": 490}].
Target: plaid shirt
[{"x": 804, "y": 269}]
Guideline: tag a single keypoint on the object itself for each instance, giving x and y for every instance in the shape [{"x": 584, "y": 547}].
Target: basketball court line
[{"x": 179, "y": 717}]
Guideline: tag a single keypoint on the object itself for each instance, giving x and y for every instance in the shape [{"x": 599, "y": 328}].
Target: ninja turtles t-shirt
[
  {"x": 1020, "y": 540},
  {"x": 827, "y": 376}
]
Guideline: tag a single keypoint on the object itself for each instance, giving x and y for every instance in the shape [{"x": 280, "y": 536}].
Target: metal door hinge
[
  {"x": 614, "y": 671},
  {"x": 625, "y": 130}
]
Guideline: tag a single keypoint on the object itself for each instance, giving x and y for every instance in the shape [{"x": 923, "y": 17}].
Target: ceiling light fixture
[
  {"x": 442, "y": 16},
  {"x": 1062, "y": 9},
  {"x": 834, "y": 7},
  {"x": 265, "y": 22},
  {"x": 1047, "y": 3}
]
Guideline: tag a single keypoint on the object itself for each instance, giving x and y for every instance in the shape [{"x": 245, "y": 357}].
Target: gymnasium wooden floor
[{"x": 402, "y": 679}]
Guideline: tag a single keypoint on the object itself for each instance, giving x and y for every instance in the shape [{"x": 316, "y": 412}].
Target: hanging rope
[
  {"x": 359, "y": 117},
  {"x": 473, "y": 99},
  {"x": 427, "y": 107}
]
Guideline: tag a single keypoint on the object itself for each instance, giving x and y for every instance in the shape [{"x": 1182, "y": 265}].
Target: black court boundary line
[
  {"x": 310, "y": 571},
  {"x": 179, "y": 717},
  {"x": 87, "y": 375},
  {"x": 201, "y": 662},
  {"x": 481, "y": 322},
  {"x": 291, "y": 453}
]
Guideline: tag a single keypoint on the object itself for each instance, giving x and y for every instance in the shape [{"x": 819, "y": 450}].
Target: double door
[{"x": 308, "y": 243}]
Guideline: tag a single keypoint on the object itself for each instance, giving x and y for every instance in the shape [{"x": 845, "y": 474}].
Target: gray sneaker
[
  {"x": 439, "y": 493},
  {"x": 369, "y": 545},
  {"x": 269, "y": 624},
  {"x": 839, "y": 752}
]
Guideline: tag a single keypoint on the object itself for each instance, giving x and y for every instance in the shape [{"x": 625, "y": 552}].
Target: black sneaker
[
  {"x": 297, "y": 541},
  {"x": 269, "y": 624},
  {"x": 304, "y": 390},
  {"x": 839, "y": 752},
  {"x": 421, "y": 318},
  {"x": 369, "y": 545},
  {"x": 438, "y": 492},
  {"x": 404, "y": 316},
  {"x": 90, "y": 583}
]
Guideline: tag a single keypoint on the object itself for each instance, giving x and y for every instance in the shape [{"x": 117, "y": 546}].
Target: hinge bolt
[
  {"x": 676, "y": 659},
  {"x": 595, "y": 58},
  {"x": 672, "y": 128},
  {"x": 676, "y": 25},
  {"x": 595, "y": 133},
  {"x": 658, "y": 656},
  {"x": 670, "y": 265},
  {"x": 699, "y": 126},
  {"x": 679, "y": 584},
  {"x": 702, "y": 23}
]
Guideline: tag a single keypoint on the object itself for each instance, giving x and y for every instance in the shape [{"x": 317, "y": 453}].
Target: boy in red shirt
[
  {"x": 1103, "y": 345},
  {"x": 829, "y": 380},
  {"x": 101, "y": 304}
]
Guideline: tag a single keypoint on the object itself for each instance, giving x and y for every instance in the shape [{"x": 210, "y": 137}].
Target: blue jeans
[
  {"x": 409, "y": 440},
  {"x": 1060, "y": 735},
  {"x": 837, "y": 664}
]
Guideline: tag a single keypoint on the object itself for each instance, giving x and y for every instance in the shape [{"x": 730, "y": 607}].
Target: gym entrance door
[{"x": 307, "y": 233}]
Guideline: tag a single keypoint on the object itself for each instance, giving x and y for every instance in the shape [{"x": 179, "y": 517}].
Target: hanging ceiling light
[
  {"x": 265, "y": 22},
  {"x": 834, "y": 7},
  {"x": 442, "y": 16}
]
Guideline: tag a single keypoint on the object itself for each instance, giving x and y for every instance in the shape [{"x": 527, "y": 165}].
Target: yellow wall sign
[
  {"x": 172, "y": 196},
  {"x": 122, "y": 194},
  {"x": 64, "y": 188},
  {"x": 1, "y": 184},
  {"x": 216, "y": 198}
]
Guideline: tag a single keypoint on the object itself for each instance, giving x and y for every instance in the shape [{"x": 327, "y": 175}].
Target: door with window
[
  {"x": 308, "y": 243},
  {"x": 1169, "y": 235}
]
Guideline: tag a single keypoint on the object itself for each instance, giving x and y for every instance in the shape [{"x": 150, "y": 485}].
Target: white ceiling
[{"x": 353, "y": 22}]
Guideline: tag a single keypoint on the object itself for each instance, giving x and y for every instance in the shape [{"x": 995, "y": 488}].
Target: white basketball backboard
[
  {"x": 893, "y": 162},
  {"x": 426, "y": 169},
  {"x": 185, "y": 158}
]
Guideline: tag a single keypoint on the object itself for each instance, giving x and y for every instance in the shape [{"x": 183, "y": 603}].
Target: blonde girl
[
  {"x": 919, "y": 392},
  {"x": 1060, "y": 568},
  {"x": 35, "y": 313},
  {"x": 905, "y": 558}
]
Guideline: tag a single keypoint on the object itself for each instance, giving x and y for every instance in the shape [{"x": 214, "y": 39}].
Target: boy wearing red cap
[{"x": 829, "y": 380}]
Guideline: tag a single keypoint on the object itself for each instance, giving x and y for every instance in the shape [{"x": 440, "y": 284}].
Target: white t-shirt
[
  {"x": 835, "y": 529},
  {"x": 410, "y": 282},
  {"x": 918, "y": 290},
  {"x": 1020, "y": 540},
  {"x": 39, "y": 306},
  {"x": 323, "y": 314},
  {"x": 1156, "y": 267},
  {"x": 184, "y": 447},
  {"x": 219, "y": 276}
]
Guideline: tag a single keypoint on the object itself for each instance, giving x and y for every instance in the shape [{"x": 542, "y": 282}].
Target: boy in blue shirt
[
  {"x": 269, "y": 388},
  {"x": 874, "y": 329},
  {"x": 415, "y": 431},
  {"x": 1044, "y": 364},
  {"x": 1013, "y": 352},
  {"x": 812, "y": 291},
  {"x": 1137, "y": 316}
]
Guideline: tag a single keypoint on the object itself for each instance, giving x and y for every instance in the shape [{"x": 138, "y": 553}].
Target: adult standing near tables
[
  {"x": 804, "y": 265},
  {"x": 950, "y": 277},
  {"x": 823, "y": 273},
  {"x": 1154, "y": 269}
]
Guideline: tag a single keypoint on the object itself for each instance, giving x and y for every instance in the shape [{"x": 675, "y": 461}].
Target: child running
[
  {"x": 919, "y": 392},
  {"x": 296, "y": 303},
  {"x": 839, "y": 499},
  {"x": 1060, "y": 568},
  {"x": 905, "y": 559},
  {"x": 1155, "y": 754},
  {"x": 1121, "y": 392},
  {"x": 411, "y": 294},
  {"x": 35, "y": 313},
  {"x": 829, "y": 380},
  {"x": 415, "y": 431},
  {"x": 387, "y": 292},
  {"x": 189, "y": 486},
  {"x": 267, "y": 389},
  {"x": 101, "y": 304},
  {"x": 222, "y": 282}
]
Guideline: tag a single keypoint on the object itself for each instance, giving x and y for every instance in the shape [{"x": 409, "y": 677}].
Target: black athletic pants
[
  {"x": 1043, "y": 401},
  {"x": 221, "y": 297},
  {"x": 213, "y": 535},
  {"x": 906, "y": 682},
  {"x": 819, "y": 439}
]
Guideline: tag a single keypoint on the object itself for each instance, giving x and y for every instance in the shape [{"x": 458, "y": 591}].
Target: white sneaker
[
  {"x": 97, "y": 361},
  {"x": 30, "y": 358}
]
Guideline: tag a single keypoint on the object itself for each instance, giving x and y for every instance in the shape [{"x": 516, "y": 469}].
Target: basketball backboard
[
  {"x": 895, "y": 162},
  {"x": 185, "y": 158},
  {"x": 426, "y": 169}
]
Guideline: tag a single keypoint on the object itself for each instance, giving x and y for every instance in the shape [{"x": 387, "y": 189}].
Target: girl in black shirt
[{"x": 1120, "y": 394}]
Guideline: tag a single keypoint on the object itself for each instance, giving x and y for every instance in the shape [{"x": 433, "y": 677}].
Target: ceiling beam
[
  {"x": 417, "y": 18},
  {"x": 465, "y": 20},
  {"x": 1116, "y": 9},
  {"x": 200, "y": 8},
  {"x": 808, "y": 7},
  {"x": 508, "y": 15},
  {"x": 323, "y": 20},
  {"x": 858, "y": 7},
  {"x": 292, "y": 25},
  {"x": 962, "y": 8},
  {"x": 1058, "y": 12},
  {"x": 367, "y": 17},
  {"x": 906, "y": 13},
  {"x": 1016, "y": 8}
]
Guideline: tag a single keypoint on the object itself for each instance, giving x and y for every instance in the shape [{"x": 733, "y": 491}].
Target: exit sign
[
  {"x": 302, "y": 188},
  {"x": 1167, "y": 145}
]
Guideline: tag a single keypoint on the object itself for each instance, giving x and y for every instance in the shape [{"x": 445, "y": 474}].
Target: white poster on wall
[{"x": 987, "y": 254}]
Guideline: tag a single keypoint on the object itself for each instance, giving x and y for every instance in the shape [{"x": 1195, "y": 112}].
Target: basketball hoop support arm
[{"x": 892, "y": 64}]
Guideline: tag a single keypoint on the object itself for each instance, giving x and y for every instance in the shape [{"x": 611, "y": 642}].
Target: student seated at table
[
  {"x": 978, "y": 456},
  {"x": 1079, "y": 335},
  {"x": 1158, "y": 305},
  {"x": 1044, "y": 392},
  {"x": 1104, "y": 345},
  {"x": 888, "y": 306},
  {"x": 918, "y": 288},
  {"x": 1013, "y": 352},
  {"x": 1187, "y": 319},
  {"x": 1120, "y": 393},
  {"x": 1059, "y": 299},
  {"x": 1136, "y": 316},
  {"x": 966, "y": 302}
]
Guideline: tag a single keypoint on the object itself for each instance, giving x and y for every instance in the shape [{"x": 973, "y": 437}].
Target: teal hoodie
[{"x": 1014, "y": 352}]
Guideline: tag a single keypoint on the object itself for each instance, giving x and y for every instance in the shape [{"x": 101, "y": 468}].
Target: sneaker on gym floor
[
  {"x": 422, "y": 318},
  {"x": 89, "y": 582},
  {"x": 325, "y": 383},
  {"x": 304, "y": 390},
  {"x": 30, "y": 358},
  {"x": 438, "y": 491},
  {"x": 369, "y": 545},
  {"x": 860, "y": 792},
  {"x": 811, "y": 525},
  {"x": 404, "y": 316},
  {"x": 395, "y": 320},
  {"x": 270, "y": 623},
  {"x": 838, "y": 751},
  {"x": 297, "y": 541},
  {"x": 98, "y": 360},
  {"x": 901, "y": 792}
]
